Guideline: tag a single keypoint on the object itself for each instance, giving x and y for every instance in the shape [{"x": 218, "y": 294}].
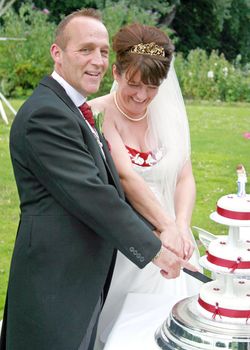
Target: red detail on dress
[
  {"x": 233, "y": 214},
  {"x": 145, "y": 159}
]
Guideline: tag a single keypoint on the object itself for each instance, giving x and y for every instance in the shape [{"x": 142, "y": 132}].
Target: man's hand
[{"x": 170, "y": 264}]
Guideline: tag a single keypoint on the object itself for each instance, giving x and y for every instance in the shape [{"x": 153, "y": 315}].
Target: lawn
[{"x": 218, "y": 146}]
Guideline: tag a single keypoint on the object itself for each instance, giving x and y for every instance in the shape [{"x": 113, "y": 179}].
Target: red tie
[{"x": 87, "y": 113}]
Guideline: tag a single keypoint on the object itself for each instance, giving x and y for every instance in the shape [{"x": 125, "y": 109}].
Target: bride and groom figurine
[{"x": 241, "y": 180}]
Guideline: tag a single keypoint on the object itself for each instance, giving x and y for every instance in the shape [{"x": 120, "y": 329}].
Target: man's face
[{"x": 84, "y": 60}]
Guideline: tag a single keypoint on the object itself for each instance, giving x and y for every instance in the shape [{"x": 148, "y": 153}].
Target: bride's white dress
[
  {"x": 127, "y": 277},
  {"x": 168, "y": 133}
]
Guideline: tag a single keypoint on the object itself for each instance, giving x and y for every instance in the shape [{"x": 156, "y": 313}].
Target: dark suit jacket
[{"x": 73, "y": 217}]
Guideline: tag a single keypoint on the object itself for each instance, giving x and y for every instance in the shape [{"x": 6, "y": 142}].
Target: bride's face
[{"x": 134, "y": 96}]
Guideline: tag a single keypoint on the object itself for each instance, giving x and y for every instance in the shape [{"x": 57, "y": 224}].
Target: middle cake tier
[{"x": 222, "y": 256}]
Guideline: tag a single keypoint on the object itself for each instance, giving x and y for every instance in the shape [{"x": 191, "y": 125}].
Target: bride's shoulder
[{"x": 101, "y": 103}]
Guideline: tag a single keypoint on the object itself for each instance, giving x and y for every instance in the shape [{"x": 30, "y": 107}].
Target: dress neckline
[
  {"x": 143, "y": 159},
  {"x": 135, "y": 150}
]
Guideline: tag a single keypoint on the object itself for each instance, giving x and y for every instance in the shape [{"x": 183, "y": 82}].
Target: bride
[{"x": 146, "y": 127}]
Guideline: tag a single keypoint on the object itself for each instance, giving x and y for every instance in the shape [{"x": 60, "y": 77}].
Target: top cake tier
[{"x": 233, "y": 210}]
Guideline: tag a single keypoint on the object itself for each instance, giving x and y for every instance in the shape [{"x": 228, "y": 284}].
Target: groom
[{"x": 73, "y": 213}]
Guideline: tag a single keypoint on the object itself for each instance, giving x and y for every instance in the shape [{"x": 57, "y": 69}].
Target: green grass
[
  {"x": 217, "y": 147},
  {"x": 9, "y": 205}
]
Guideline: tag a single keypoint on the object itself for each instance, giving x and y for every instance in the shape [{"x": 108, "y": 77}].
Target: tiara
[{"x": 151, "y": 49}]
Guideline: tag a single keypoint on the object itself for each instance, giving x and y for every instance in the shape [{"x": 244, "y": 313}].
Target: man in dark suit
[{"x": 73, "y": 212}]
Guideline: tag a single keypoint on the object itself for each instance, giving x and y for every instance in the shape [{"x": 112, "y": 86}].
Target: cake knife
[{"x": 198, "y": 275}]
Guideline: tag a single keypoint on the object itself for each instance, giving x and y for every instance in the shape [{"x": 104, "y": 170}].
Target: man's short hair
[{"x": 61, "y": 37}]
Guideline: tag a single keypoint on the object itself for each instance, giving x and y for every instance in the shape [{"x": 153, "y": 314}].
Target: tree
[
  {"x": 235, "y": 38},
  {"x": 58, "y": 9},
  {"x": 214, "y": 24}
]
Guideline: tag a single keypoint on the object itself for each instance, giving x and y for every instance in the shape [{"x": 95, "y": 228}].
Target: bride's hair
[{"x": 129, "y": 59}]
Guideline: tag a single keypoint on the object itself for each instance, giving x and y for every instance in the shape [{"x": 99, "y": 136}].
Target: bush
[
  {"x": 212, "y": 77},
  {"x": 24, "y": 62}
]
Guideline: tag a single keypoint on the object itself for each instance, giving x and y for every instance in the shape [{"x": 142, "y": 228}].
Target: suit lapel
[
  {"x": 52, "y": 84},
  {"x": 61, "y": 93},
  {"x": 110, "y": 166}
]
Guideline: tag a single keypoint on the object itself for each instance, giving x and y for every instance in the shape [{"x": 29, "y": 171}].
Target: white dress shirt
[{"x": 78, "y": 100}]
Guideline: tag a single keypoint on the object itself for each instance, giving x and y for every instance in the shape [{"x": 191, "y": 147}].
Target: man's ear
[{"x": 55, "y": 52}]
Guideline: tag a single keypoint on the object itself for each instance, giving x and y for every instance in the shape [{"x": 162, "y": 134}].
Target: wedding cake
[
  {"x": 227, "y": 298},
  {"x": 219, "y": 317}
]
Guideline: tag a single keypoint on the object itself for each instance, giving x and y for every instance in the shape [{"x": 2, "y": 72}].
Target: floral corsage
[{"x": 98, "y": 117}]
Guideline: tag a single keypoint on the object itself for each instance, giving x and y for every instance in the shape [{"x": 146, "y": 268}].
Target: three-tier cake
[{"x": 227, "y": 298}]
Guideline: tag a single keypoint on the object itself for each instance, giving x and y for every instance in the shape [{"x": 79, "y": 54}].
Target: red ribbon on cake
[
  {"x": 237, "y": 215},
  {"x": 231, "y": 264},
  {"x": 217, "y": 310}
]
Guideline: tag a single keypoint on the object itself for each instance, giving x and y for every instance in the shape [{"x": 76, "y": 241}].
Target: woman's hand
[
  {"x": 188, "y": 244},
  {"x": 178, "y": 240},
  {"x": 188, "y": 247},
  {"x": 172, "y": 240}
]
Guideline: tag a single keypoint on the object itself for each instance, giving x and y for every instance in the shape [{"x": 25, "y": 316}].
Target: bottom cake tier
[{"x": 233, "y": 306}]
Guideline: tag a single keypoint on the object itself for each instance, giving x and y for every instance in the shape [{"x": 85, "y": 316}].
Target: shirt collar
[{"x": 75, "y": 96}]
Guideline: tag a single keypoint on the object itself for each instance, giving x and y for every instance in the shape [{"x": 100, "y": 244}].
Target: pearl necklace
[{"x": 127, "y": 116}]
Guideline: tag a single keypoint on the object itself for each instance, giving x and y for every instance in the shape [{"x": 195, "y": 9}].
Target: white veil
[
  {"x": 168, "y": 132},
  {"x": 167, "y": 118}
]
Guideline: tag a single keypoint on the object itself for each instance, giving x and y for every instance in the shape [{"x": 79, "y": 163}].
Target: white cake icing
[
  {"x": 227, "y": 299},
  {"x": 233, "y": 210},
  {"x": 234, "y": 203},
  {"x": 214, "y": 293},
  {"x": 222, "y": 248}
]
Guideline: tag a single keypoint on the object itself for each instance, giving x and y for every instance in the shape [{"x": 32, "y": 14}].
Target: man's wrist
[{"x": 158, "y": 254}]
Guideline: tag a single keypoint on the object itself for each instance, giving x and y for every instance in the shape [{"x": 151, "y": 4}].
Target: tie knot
[{"x": 87, "y": 113}]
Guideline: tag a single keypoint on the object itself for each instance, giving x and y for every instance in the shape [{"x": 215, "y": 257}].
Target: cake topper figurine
[{"x": 241, "y": 181}]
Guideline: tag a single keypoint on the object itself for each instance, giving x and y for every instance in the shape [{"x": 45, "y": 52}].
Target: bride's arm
[
  {"x": 139, "y": 194},
  {"x": 184, "y": 203}
]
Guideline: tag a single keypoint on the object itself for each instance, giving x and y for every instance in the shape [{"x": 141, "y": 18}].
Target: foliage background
[
  {"x": 210, "y": 36},
  {"x": 207, "y": 24}
]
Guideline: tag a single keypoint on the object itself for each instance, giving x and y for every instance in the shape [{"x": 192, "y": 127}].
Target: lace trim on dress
[{"x": 144, "y": 159}]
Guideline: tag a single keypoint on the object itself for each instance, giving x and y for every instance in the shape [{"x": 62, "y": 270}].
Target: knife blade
[{"x": 198, "y": 275}]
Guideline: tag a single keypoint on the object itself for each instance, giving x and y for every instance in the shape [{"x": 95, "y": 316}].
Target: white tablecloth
[{"x": 138, "y": 321}]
